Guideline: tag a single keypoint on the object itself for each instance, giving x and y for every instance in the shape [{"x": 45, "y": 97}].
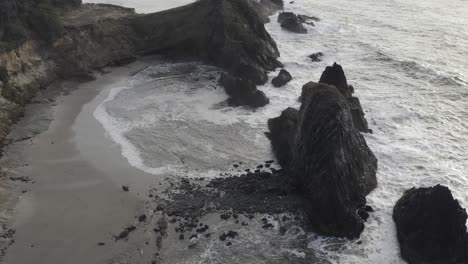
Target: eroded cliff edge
[{"x": 226, "y": 33}]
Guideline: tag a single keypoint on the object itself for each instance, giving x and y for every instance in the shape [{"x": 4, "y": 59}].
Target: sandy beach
[{"x": 74, "y": 198}]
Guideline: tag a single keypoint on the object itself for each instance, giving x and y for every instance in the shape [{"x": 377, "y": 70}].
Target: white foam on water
[{"x": 412, "y": 88}]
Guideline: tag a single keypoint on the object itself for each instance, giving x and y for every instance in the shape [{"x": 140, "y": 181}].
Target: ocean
[{"x": 407, "y": 61}]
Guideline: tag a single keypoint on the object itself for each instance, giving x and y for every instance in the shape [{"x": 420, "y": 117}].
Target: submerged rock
[
  {"x": 316, "y": 57},
  {"x": 283, "y": 78},
  {"x": 242, "y": 91},
  {"x": 291, "y": 22},
  {"x": 431, "y": 227},
  {"x": 334, "y": 75},
  {"x": 332, "y": 163},
  {"x": 282, "y": 132}
]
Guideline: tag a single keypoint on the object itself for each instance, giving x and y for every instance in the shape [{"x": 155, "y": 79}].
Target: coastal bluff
[{"x": 226, "y": 33}]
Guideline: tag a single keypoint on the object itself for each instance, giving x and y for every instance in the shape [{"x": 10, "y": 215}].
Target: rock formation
[
  {"x": 431, "y": 227},
  {"x": 283, "y": 78},
  {"x": 326, "y": 156},
  {"x": 332, "y": 162},
  {"x": 334, "y": 75},
  {"x": 242, "y": 91},
  {"x": 282, "y": 134},
  {"x": 316, "y": 57},
  {"x": 291, "y": 22}
]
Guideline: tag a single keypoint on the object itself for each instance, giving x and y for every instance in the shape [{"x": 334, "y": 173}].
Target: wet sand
[{"x": 75, "y": 198}]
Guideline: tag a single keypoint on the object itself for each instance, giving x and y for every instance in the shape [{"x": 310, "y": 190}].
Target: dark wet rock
[
  {"x": 231, "y": 35},
  {"x": 229, "y": 243},
  {"x": 202, "y": 229},
  {"x": 125, "y": 233},
  {"x": 229, "y": 234},
  {"x": 181, "y": 237},
  {"x": 363, "y": 214},
  {"x": 316, "y": 57},
  {"x": 308, "y": 19},
  {"x": 142, "y": 218},
  {"x": 125, "y": 188},
  {"x": 368, "y": 209},
  {"x": 431, "y": 227},
  {"x": 267, "y": 225},
  {"x": 101, "y": 244},
  {"x": 283, "y": 78},
  {"x": 334, "y": 75},
  {"x": 282, "y": 132},
  {"x": 331, "y": 163},
  {"x": 225, "y": 216},
  {"x": 291, "y": 22},
  {"x": 242, "y": 92}
]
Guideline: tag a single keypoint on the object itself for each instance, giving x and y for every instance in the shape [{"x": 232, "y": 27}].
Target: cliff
[{"x": 230, "y": 34}]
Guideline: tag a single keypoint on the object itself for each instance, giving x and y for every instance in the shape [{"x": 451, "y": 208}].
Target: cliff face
[{"x": 227, "y": 33}]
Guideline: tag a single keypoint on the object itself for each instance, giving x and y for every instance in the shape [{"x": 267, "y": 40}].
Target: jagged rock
[
  {"x": 334, "y": 75},
  {"x": 282, "y": 132},
  {"x": 316, "y": 57},
  {"x": 431, "y": 227},
  {"x": 332, "y": 163},
  {"x": 283, "y": 78},
  {"x": 242, "y": 91},
  {"x": 307, "y": 19},
  {"x": 231, "y": 35},
  {"x": 291, "y": 22}
]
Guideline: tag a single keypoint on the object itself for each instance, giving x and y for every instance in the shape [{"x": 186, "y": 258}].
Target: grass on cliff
[{"x": 24, "y": 19}]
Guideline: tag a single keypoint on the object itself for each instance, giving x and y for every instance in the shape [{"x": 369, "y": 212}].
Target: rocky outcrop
[
  {"x": 332, "y": 163},
  {"x": 242, "y": 92},
  {"x": 316, "y": 57},
  {"x": 291, "y": 22},
  {"x": 282, "y": 134},
  {"x": 431, "y": 227},
  {"x": 334, "y": 75},
  {"x": 283, "y": 78},
  {"x": 231, "y": 35}
]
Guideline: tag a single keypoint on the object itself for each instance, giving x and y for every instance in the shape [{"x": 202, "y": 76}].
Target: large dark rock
[
  {"x": 283, "y": 78},
  {"x": 334, "y": 75},
  {"x": 242, "y": 91},
  {"x": 316, "y": 57},
  {"x": 291, "y": 22},
  {"x": 282, "y": 132},
  {"x": 231, "y": 35},
  {"x": 431, "y": 227},
  {"x": 332, "y": 163}
]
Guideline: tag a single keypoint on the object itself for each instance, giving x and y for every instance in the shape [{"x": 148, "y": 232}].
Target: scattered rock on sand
[
  {"x": 431, "y": 227},
  {"x": 229, "y": 234},
  {"x": 125, "y": 233},
  {"x": 125, "y": 188},
  {"x": 283, "y": 78}
]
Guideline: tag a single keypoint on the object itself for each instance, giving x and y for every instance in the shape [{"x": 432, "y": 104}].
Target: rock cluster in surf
[
  {"x": 431, "y": 226},
  {"x": 326, "y": 156}
]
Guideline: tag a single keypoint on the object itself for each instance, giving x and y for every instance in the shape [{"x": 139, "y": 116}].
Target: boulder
[
  {"x": 282, "y": 132},
  {"x": 316, "y": 57},
  {"x": 431, "y": 227},
  {"x": 291, "y": 22},
  {"x": 334, "y": 75},
  {"x": 307, "y": 19},
  {"x": 242, "y": 91},
  {"x": 331, "y": 163},
  {"x": 283, "y": 78}
]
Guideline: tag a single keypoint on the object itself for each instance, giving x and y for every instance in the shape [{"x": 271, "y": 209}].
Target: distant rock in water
[
  {"x": 332, "y": 163},
  {"x": 431, "y": 227},
  {"x": 334, "y": 75},
  {"x": 316, "y": 57},
  {"x": 283, "y": 78},
  {"x": 242, "y": 91},
  {"x": 307, "y": 19},
  {"x": 291, "y": 22},
  {"x": 282, "y": 134}
]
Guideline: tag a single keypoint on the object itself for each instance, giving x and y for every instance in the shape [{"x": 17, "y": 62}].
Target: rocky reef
[
  {"x": 327, "y": 158},
  {"x": 431, "y": 226}
]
